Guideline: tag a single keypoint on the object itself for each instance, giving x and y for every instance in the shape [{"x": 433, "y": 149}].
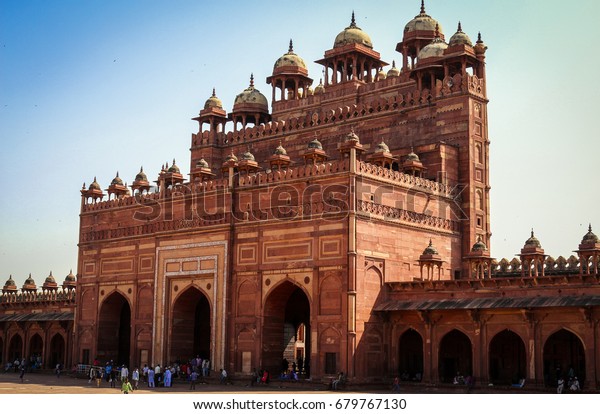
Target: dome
[
  {"x": 589, "y": 238},
  {"x": 351, "y": 136},
  {"x": 422, "y": 22},
  {"x": 141, "y": 176},
  {"x": 533, "y": 242},
  {"x": 394, "y": 71},
  {"x": 174, "y": 168},
  {"x": 247, "y": 156},
  {"x": 202, "y": 163},
  {"x": 94, "y": 185},
  {"x": 382, "y": 147},
  {"x": 213, "y": 102},
  {"x": 381, "y": 74},
  {"x": 460, "y": 38},
  {"x": 480, "y": 47},
  {"x": 117, "y": 180},
  {"x": 251, "y": 95},
  {"x": 29, "y": 283},
  {"x": 280, "y": 150},
  {"x": 479, "y": 246},
  {"x": 290, "y": 59},
  {"x": 10, "y": 282},
  {"x": 319, "y": 89},
  {"x": 315, "y": 144},
  {"x": 70, "y": 277},
  {"x": 434, "y": 49},
  {"x": 430, "y": 250},
  {"x": 353, "y": 34},
  {"x": 231, "y": 157},
  {"x": 412, "y": 157},
  {"x": 50, "y": 279}
]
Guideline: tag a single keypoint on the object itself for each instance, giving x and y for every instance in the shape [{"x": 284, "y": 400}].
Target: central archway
[
  {"x": 114, "y": 330},
  {"x": 286, "y": 329},
  {"x": 15, "y": 348},
  {"x": 190, "y": 327},
  {"x": 455, "y": 356},
  {"x": 57, "y": 351}
]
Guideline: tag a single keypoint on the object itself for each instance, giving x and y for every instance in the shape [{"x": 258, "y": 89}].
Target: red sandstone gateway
[{"x": 347, "y": 230}]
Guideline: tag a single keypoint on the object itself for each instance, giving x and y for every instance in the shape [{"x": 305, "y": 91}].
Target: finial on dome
[
  {"x": 214, "y": 94},
  {"x": 117, "y": 174},
  {"x": 430, "y": 242},
  {"x": 252, "y": 79},
  {"x": 173, "y": 161},
  {"x": 532, "y": 232},
  {"x": 437, "y": 30},
  {"x": 291, "y": 49},
  {"x": 353, "y": 21},
  {"x": 394, "y": 63},
  {"x": 479, "y": 37},
  {"x": 459, "y": 27},
  {"x": 590, "y": 227},
  {"x": 422, "y": 6}
]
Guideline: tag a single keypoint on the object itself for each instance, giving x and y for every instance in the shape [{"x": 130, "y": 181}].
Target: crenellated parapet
[{"x": 39, "y": 297}]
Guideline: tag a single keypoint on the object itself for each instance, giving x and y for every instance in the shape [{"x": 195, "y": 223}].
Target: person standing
[
  {"x": 223, "y": 378},
  {"x": 58, "y": 369},
  {"x": 157, "y": 374},
  {"x": 92, "y": 374},
  {"x": 145, "y": 373},
  {"x": 22, "y": 372},
  {"x": 193, "y": 379},
  {"x": 124, "y": 372},
  {"x": 135, "y": 378},
  {"x": 126, "y": 386},
  {"x": 168, "y": 374},
  {"x": 98, "y": 377},
  {"x": 150, "y": 378},
  {"x": 561, "y": 385}
]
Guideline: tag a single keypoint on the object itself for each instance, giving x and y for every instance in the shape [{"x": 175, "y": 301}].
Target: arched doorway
[
  {"x": 114, "y": 330},
  {"x": 190, "y": 327},
  {"x": 36, "y": 349},
  {"x": 410, "y": 358},
  {"x": 286, "y": 329},
  {"x": 455, "y": 356},
  {"x": 57, "y": 351},
  {"x": 563, "y": 352},
  {"x": 15, "y": 348},
  {"x": 507, "y": 358}
]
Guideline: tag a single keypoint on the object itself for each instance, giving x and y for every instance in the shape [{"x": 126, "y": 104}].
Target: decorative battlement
[{"x": 66, "y": 295}]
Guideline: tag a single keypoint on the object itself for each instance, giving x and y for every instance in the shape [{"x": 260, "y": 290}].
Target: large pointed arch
[
  {"x": 36, "y": 346},
  {"x": 15, "y": 347},
  {"x": 57, "y": 350},
  {"x": 191, "y": 326},
  {"x": 564, "y": 355},
  {"x": 114, "y": 329},
  {"x": 507, "y": 358},
  {"x": 410, "y": 358},
  {"x": 286, "y": 312},
  {"x": 455, "y": 356}
]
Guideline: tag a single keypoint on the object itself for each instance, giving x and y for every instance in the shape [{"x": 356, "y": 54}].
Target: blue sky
[{"x": 89, "y": 88}]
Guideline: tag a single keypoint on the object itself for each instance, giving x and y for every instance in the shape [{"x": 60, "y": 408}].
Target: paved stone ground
[{"x": 44, "y": 383}]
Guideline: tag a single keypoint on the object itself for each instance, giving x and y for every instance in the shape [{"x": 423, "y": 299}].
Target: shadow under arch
[
  {"x": 507, "y": 358},
  {"x": 57, "y": 351},
  {"x": 455, "y": 356},
  {"x": 564, "y": 356},
  {"x": 410, "y": 357},
  {"x": 15, "y": 347},
  {"x": 286, "y": 329},
  {"x": 190, "y": 333},
  {"x": 114, "y": 330}
]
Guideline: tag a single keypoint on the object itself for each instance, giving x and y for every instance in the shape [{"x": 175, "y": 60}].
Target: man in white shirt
[{"x": 124, "y": 373}]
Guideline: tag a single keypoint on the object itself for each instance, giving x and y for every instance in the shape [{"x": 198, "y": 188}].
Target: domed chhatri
[
  {"x": 10, "y": 286},
  {"x": 320, "y": 88},
  {"x": 290, "y": 60},
  {"x": 141, "y": 176},
  {"x": 351, "y": 136},
  {"x": 351, "y": 35},
  {"x": 590, "y": 238},
  {"x": 213, "y": 102},
  {"x": 382, "y": 147},
  {"x": 94, "y": 185},
  {"x": 202, "y": 163},
  {"x": 430, "y": 250},
  {"x": 460, "y": 38},
  {"x": 251, "y": 96},
  {"x": 280, "y": 150},
  {"x": 247, "y": 156},
  {"x": 174, "y": 168},
  {"x": 479, "y": 246},
  {"x": 434, "y": 49},
  {"x": 422, "y": 22},
  {"x": 29, "y": 284},
  {"x": 50, "y": 283},
  {"x": 394, "y": 71},
  {"x": 117, "y": 180},
  {"x": 70, "y": 281},
  {"x": 315, "y": 144},
  {"x": 231, "y": 157},
  {"x": 532, "y": 242}
]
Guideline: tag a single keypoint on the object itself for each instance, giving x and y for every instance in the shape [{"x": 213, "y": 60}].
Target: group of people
[{"x": 572, "y": 385}]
